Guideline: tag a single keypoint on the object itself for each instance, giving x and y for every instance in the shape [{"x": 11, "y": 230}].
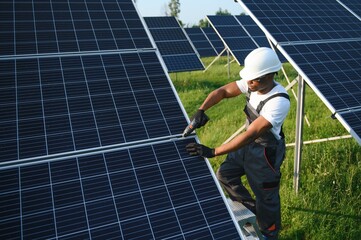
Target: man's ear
[{"x": 270, "y": 76}]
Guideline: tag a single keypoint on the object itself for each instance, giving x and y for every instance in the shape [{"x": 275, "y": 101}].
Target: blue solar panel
[
  {"x": 44, "y": 26},
  {"x": 173, "y": 44},
  {"x": 234, "y": 36},
  {"x": 334, "y": 69},
  {"x": 305, "y": 20},
  {"x": 61, "y": 104},
  {"x": 155, "y": 191},
  {"x": 214, "y": 39},
  {"x": 201, "y": 42}
]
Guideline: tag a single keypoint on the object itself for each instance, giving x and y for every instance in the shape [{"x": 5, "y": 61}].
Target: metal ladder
[{"x": 246, "y": 220}]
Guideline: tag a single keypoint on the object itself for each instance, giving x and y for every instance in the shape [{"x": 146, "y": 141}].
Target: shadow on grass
[{"x": 354, "y": 217}]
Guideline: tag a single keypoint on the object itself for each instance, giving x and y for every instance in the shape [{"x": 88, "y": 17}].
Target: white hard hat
[{"x": 259, "y": 62}]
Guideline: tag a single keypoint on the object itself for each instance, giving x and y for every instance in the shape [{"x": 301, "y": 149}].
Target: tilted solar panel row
[{"x": 322, "y": 39}]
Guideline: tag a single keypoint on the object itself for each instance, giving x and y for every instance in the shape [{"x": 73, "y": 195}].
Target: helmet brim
[{"x": 248, "y": 74}]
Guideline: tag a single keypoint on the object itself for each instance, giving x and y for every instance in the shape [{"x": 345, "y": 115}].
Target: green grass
[{"x": 328, "y": 204}]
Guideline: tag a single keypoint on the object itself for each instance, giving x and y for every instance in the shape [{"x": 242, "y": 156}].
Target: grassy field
[{"x": 328, "y": 205}]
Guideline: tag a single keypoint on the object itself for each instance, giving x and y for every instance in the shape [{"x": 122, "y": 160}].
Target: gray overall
[{"x": 260, "y": 161}]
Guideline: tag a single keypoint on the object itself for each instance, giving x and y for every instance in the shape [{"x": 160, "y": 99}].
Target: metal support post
[
  {"x": 299, "y": 132},
  {"x": 229, "y": 65},
  {"x": 214, "y": 60}
]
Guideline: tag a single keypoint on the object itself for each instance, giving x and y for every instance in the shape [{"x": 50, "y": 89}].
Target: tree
[
  {"x": 203, "y": 23},
  {"x": 174, "y": 8},
  {"x": 222, "y": 12}
]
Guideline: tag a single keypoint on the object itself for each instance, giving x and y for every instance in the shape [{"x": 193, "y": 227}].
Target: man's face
[
  {"x": 261, "y": 83},
  {"x": 257, "y": 83}
]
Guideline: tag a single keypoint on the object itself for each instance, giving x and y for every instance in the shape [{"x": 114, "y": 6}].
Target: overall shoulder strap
[
  {"x": 248, "y": 95},
  {"x": 262, "y": 103}
]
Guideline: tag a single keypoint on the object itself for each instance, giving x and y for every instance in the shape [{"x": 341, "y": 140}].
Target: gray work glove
[
  {"x": 195, "y": 149},
  {"x": 199, "y": 119}
]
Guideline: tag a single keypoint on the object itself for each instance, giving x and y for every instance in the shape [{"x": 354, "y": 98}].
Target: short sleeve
[{"x": 242, "y": 85}]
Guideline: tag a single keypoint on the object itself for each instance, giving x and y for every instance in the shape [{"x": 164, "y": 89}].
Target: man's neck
[{"x": 267, "y": 88}]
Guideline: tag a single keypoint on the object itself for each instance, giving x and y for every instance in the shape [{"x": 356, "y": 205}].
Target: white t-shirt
[{"x": 274, "y": 111}]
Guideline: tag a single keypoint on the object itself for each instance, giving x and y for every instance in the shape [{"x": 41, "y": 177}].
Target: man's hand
[
  {"x": 196, "y": 149},
  {"x": 200, "y": 118}
]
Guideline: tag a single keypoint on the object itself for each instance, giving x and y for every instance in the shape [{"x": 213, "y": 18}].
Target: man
[{"x": 259, "y": 151}]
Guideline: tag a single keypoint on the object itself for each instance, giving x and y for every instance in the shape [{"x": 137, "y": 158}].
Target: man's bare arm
[
  {"x": 227, "y": 91},
  {"x": 255, "y": 129}
]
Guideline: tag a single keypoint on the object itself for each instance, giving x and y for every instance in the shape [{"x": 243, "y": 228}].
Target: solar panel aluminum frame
[{"x": 348, "y": 9}]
